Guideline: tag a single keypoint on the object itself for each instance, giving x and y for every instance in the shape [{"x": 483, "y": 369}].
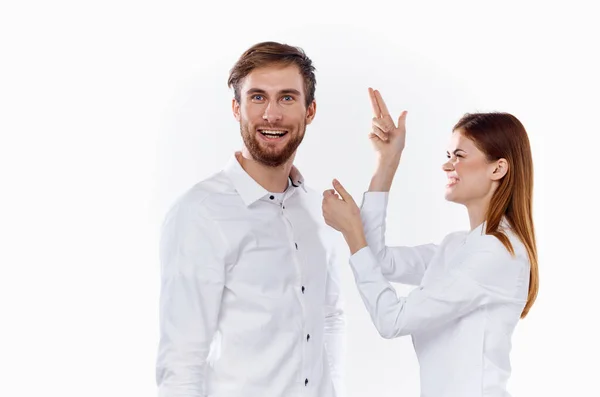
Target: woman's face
[{"x": 471, "y": 177}]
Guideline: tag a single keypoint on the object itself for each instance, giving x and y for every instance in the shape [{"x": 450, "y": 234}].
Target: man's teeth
[{"x": 272, "y": 132}]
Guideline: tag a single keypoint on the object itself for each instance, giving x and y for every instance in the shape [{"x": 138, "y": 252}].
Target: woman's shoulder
[
  {"x": 478, "y": 243},
  {"x": 491, "y": 262}
]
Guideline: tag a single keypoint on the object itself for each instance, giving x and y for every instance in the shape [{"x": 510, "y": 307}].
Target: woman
[{"x": 474, "y": 286}]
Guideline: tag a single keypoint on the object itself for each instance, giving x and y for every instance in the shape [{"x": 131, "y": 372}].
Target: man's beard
[{"x": 266, "y": 156}]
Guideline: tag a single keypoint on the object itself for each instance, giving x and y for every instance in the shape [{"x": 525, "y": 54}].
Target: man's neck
[{"x": 273, "y": 179}]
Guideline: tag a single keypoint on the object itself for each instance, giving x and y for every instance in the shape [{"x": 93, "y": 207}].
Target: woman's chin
[{"x": 450, "y": 196}]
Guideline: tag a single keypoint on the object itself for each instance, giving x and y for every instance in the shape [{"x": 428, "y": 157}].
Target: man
[{"x": 250, "y": 298}]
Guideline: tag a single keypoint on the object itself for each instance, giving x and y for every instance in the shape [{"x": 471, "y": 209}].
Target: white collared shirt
[
  {"x": 461, "y": 317},
  {"x": 250, "y": 299}
]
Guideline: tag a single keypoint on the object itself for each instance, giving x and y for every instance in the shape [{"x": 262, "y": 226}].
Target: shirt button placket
[
  {"x": 298, "y": 264},
  {"x": 302, "y": 286}
]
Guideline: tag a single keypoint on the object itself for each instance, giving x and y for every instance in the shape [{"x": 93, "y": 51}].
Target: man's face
[{"x": 272, "y": 113}]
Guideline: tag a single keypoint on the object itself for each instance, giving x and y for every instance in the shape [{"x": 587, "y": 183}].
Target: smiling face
[
  {"x": 471, "y": 176},
  {"x": 272, "y": 113}
]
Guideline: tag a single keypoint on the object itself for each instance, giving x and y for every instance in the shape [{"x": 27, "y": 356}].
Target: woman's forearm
[{"x": 384, "y": 174}]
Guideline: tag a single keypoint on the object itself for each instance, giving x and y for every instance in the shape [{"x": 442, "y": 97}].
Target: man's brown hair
[{"x": 271, "y": 53}]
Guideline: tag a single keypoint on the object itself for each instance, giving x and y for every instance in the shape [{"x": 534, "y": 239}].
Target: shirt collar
[
  {"x": 247, "y": 187},
  {"x": 480, "y": 230},
  {"x": 297, "y": 178}
]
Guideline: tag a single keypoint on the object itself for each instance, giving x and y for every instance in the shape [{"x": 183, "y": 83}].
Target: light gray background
[{"x": 110, "y": 110}]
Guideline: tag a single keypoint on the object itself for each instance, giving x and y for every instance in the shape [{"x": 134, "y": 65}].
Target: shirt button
[
  {"x": 307, "y": 337},
  {"x": 296, "y": 245},
  {"x": 305, "y": 382},
  {"x": 272, "y": 197},
  {"x": 303, "y": 289}
]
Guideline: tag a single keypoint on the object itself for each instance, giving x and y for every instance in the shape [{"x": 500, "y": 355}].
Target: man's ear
[
  {"x": 311, "y": 111},
  {"x": 235, "y": 107}
]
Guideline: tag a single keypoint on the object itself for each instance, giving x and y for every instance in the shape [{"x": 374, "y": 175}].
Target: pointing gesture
[
  {"x": 387, "y": 138},
  {"x": 341, "y": 213}
]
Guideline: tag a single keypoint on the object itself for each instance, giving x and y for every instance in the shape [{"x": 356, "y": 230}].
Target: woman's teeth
[{"x": 452, "y": 181}]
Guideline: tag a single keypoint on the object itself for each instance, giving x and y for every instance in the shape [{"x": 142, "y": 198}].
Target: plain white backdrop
[{"x": 110, "y": 110}]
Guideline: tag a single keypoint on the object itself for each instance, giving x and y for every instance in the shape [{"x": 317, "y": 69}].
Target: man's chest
[{"x": 270, "y": 251}]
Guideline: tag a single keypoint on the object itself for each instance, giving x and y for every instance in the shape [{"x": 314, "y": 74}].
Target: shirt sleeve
[
  {"x": 482, "y": 277},
  {"x": 335, "y": 321},
  {"x": 405, "y": 265},
  {"x": 192, "y": 282}
]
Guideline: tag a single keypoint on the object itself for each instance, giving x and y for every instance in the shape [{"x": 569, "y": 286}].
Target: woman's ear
[{"x": 500, "y": 169}]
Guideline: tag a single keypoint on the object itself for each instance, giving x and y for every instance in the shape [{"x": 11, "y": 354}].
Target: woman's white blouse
[{"x": 470, "y": 295}]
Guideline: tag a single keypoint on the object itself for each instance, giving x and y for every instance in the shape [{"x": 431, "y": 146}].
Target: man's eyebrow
[
  {"x": 290, "y": 91},
  {"x": 255, "y": 91},
  {"x": 284, "y": 91}
]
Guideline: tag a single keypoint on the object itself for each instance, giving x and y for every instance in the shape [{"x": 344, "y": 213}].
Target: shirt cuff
[
  {"x": 374, "y": 201},
  {"x": 363, "y": 261}
]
